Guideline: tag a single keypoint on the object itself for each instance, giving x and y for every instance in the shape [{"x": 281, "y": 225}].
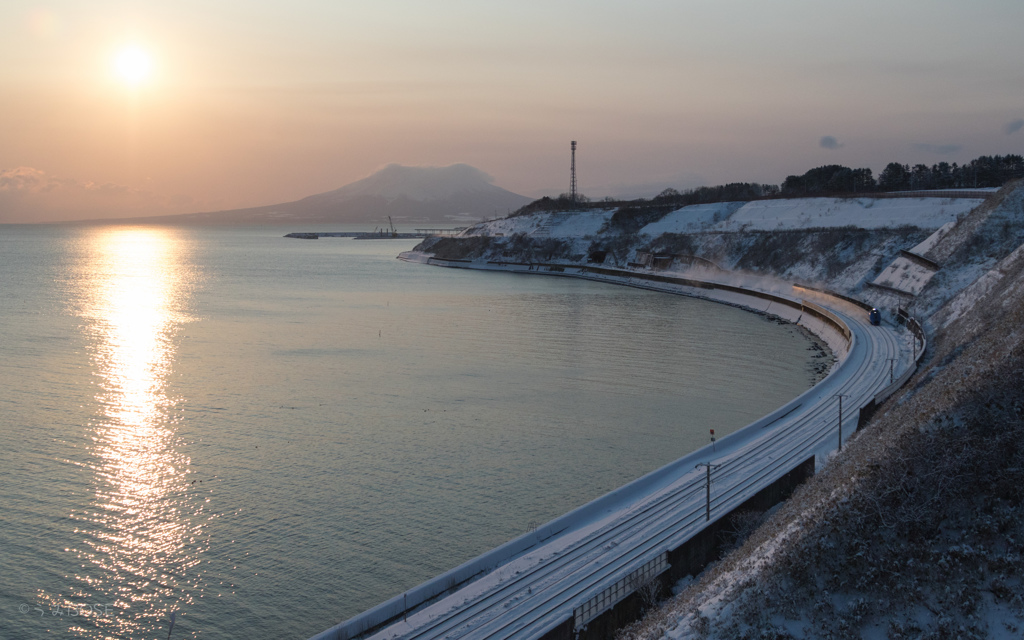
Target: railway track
[{"x": 541, "y": 586}]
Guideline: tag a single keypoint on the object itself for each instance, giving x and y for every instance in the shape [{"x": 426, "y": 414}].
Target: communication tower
[{"x": 572, "y": 175}]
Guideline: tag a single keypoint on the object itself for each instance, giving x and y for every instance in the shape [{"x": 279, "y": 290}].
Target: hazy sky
[{"x": 255, "y": 102}]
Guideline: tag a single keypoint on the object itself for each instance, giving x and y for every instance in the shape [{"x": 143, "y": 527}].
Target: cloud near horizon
[
  {"x": 32, "y": 180},
  {"x": 30, "y": 195},
  {"x": 1015, "y": 126},
  {"x": 829, "y": 142}
]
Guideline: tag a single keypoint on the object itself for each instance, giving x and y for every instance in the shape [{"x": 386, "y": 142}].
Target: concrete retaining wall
[{"x": 688, "y": 559}]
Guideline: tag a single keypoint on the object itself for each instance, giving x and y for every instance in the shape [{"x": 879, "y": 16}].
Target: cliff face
[{"x": 917, "y": 528}]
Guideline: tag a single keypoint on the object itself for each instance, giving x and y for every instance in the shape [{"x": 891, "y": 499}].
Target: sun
[{"x": 133, "y": 65}]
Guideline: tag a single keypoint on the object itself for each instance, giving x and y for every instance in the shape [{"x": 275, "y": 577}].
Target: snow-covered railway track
[{"x": 531, "y": 586}]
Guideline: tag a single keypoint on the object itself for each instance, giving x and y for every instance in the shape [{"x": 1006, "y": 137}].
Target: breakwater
[{"x": 357, "y": 235}]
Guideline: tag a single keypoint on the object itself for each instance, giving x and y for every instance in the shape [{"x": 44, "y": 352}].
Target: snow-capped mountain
[
  {"x": 417, "y": 183},
  {"x": 456, "y": 193}
]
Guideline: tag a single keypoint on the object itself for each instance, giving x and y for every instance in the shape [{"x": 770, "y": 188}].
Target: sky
[{"x": 243, "y": 103}]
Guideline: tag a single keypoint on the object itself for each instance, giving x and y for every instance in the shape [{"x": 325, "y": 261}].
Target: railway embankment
[{"x": 915, "y": 529}]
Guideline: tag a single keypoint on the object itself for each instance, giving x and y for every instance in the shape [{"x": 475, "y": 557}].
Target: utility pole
[
  {"x": 840, "y": 396},
  {"x": 707, "y": 511},
  {"x": 572, "y": 176}
]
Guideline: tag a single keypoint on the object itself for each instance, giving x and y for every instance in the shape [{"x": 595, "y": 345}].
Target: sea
[{"x": 225, "y": 433}]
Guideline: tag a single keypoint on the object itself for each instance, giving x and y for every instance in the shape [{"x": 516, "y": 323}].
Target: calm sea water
[{"x": 263, "y": 436}]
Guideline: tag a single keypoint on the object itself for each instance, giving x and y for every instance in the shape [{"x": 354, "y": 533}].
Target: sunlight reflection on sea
[
  {"x": 142, "y": 531},
  {"x": 263, "y": 436}
]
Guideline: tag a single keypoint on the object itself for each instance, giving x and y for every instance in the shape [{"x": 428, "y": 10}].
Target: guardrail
[
  {"x": 803, "y": 305},
  {"x": 863, "y": 305},
  {"x": 920, "y": 260},
  {"x": 827, "y": 316},
  {"x": 853, "y": 195},
  {"x": 918, "y": 331}
]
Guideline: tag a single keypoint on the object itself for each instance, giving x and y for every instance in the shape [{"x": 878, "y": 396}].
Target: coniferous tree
[{"x": 894, "y": 177}]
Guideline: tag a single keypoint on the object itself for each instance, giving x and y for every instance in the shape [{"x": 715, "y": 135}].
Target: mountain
[{"x": 456, "y": 193}]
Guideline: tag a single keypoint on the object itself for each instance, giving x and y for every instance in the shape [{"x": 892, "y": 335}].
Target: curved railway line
[{"x": 545, "y": 580}]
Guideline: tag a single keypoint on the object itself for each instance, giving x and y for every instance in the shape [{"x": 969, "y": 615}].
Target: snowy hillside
[
  {"x": 917, "y": 529},
  {"x": 864, "y": 213},
  {"x": 698, "y": 217},
  {"x": 845, "y": 244},
  {"x": 759, "y": 215},
  {"x": 576, "y": 224},
  {"x": 912, "y": 271}
]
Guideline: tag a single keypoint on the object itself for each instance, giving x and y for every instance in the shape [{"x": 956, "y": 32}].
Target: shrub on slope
[{"x": 518, "y": 247}]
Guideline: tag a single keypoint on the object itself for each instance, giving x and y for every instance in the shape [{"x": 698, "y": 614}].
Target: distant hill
[{"x": 457, "y": 193}]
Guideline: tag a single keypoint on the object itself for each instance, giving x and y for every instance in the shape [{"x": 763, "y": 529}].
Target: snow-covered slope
[
  {"x": 864, "y": 213},
  {"x": 759, "y": 215},
  {"x": 697, "y": 217},
  {"x": 908, "y": 273},
  {"x": 839, "y": 243},
  {"x": 546, "y": 224}
]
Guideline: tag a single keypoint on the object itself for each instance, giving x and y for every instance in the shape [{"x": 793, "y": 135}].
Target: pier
[{"x": 381, "y": 234}]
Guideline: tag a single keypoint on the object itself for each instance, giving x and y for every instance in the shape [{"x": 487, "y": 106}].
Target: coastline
[
  {"x": 696, "y": 283},
  {"x": 424, "y": 604}
]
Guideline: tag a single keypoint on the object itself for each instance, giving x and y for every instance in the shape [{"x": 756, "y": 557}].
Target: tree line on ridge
[{"x": 829, "y": 180}]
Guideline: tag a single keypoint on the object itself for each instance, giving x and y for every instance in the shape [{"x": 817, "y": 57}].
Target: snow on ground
[
  {"x": 578, "y": 225},
  {"x": 969, "y": 296},
  {"x": 527, "y": 224},
  {"x": 696, "y": 217},
  {"x": 932, "y": 240},
  {"x": 766, "y": 215},
  {"x": 969, "y": 250},
  {"x": 721, "y": 591},
  {"x": 905, "y": 275},
  {"x": 866, "y": 213},
  {"x": 561, "y": 224}
]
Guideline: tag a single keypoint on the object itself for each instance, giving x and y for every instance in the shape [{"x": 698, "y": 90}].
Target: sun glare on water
[{"x": 134, "y": 65}]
